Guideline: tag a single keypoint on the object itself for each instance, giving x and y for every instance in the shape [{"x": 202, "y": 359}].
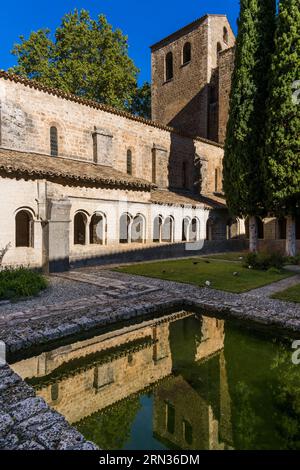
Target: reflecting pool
[{"x": 183, "y": 381}]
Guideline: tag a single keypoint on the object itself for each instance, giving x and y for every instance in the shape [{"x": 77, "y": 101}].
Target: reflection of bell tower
[{"x": 192, "y": 409}]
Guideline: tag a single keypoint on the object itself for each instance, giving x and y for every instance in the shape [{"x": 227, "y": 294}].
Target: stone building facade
[{"x": 81, "y": 181}]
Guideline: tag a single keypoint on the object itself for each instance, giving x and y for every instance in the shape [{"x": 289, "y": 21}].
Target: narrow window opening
[
  {"x": 53, "y": 141},
  {"x": 187, "y": 53},
  {"x": 169, "y": 66}
]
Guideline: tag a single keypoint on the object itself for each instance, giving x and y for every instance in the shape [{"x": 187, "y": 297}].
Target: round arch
[
  {"x": 80, "y": 223},
  {"x": 98, "y": 229}
]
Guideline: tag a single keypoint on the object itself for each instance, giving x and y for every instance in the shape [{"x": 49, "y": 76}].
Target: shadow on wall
[
  {"x": 200, "y": 116},
  {"x": 192, "y": 119},
  {"x": 184, "y": 166}
]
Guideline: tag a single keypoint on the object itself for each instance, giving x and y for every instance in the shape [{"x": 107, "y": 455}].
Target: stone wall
[
  {"x": 53, "y": 207},
  {"x": 184, "y": 101},
  {"x": 91, "y": 134}
]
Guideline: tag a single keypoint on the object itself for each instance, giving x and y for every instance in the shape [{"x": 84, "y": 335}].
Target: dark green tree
[
  {"x": 87, "y": 58},
  {"x": 283, "y": 124},
  {"x": 244, "y": 146},
  {"x": 141, "y": 104}
]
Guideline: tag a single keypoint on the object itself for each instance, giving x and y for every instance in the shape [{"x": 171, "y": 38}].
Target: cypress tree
[
  {"x": 244, "y": 146},
  {"x": 283, "y": 125}
]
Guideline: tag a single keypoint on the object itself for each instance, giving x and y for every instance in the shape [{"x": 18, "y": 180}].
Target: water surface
[{"x": 184, "y": 381}]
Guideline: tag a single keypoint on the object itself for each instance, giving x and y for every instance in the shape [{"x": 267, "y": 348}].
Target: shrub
[
  {"x": 294, "y": 260},
  {"x": 264, "y": 261},
  {"x": 17, "y": 283}
]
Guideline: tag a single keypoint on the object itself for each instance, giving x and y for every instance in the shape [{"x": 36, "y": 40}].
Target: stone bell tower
[{"x": 185, "y": 77}]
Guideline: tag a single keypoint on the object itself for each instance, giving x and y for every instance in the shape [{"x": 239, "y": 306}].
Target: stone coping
[{"x": 27, "y": 422}]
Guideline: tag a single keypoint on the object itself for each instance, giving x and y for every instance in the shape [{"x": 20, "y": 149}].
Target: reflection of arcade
[{"x": 191, "y": 408}]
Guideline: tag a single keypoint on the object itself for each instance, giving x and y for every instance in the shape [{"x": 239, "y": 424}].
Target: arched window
[
  {"x": 260, "y": 228},
  {"x": 24, "y": 229},
  {"x": 154, "y": 166},
  {"x": 53, "y": 141},
  {"x": 170, "y": 418},
  {"x": 169, "y": 66},
  {"x": 98, "y": 230},
  {"x": 281, "y": 228},
  {"x": 129, "y": 162},
  {"x": 138, "y": 229},
  {"x": 225, "y": 35},
  {"x": 54, "y": 392},
  {"x": 157, "y": 229},
  {"x": 80, "y": 222},
  {"x": 186, "y": 229},
  {"x": 219, "y": 48},
  {"x": 168, "y": 230},
  {"x": 232, "y": 229},
  {"x": 210, "y": 229},
  {"x": 194, "y": 230},
  {"x": 187, "y": 432},
  {"x": 186, "y": 53},
  {"x": 125, "y": 225}
]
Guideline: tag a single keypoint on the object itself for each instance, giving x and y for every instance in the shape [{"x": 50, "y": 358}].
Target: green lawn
[
  {"x": 228, "y": 256},
  {"x": 198, "y": 271},
  {"x": 292, "y": 294}
]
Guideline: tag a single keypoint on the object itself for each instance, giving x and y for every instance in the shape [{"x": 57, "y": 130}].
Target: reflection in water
[{"x": 178, "y": 382}]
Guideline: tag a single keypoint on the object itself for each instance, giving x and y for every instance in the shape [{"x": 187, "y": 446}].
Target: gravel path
[
  {"x": 270, "y": 289},
  {"x": 60, "y": 290}
]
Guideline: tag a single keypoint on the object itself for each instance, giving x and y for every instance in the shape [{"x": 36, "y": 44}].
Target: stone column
[
  {"x": 290, "y": 247},
  {"x": 43, "y": 218},
  {"x": 253, "y": 236},
  {"x": 103, "y": 144},
  {"x": 59, "y": 228}
]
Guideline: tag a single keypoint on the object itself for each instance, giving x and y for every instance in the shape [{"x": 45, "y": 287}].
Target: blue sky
[{"x": 143, "y": 22}]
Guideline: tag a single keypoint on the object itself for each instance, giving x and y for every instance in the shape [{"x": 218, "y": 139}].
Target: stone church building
[{"x": 82, "y": 182}]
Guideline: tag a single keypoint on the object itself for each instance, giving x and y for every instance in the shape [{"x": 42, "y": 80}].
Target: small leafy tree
[
  {"x": 141, "y": 104},
  {"x": 87, "y": 58}
]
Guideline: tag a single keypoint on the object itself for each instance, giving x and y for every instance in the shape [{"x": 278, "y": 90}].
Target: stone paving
[
  {"x": 105, "y": 298},
  {"x": 270, "y": 289}
]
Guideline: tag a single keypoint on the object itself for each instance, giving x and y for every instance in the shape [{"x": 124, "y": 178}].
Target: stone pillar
[
  {"x": 290, "y": 248},
  {"x": 253, "y": 236},
  {"x": 58, "y": 229},
  {"x": 103, "y": 144},
  {"x": 43, "y": 218}
]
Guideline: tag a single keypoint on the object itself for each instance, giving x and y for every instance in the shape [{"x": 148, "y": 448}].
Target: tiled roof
[
  {"x": 33, "y": 166},
  {"x": 96, "y": 105},
  {"x": 184, "y": 198}
]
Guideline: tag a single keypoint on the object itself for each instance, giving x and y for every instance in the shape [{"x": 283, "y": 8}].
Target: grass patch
[
  {"x": 292, "y": 294},
  {"x": 20, "y": 283},
  {"x": 198, "y": 271},
  {"x": 228, "y": 256}
]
